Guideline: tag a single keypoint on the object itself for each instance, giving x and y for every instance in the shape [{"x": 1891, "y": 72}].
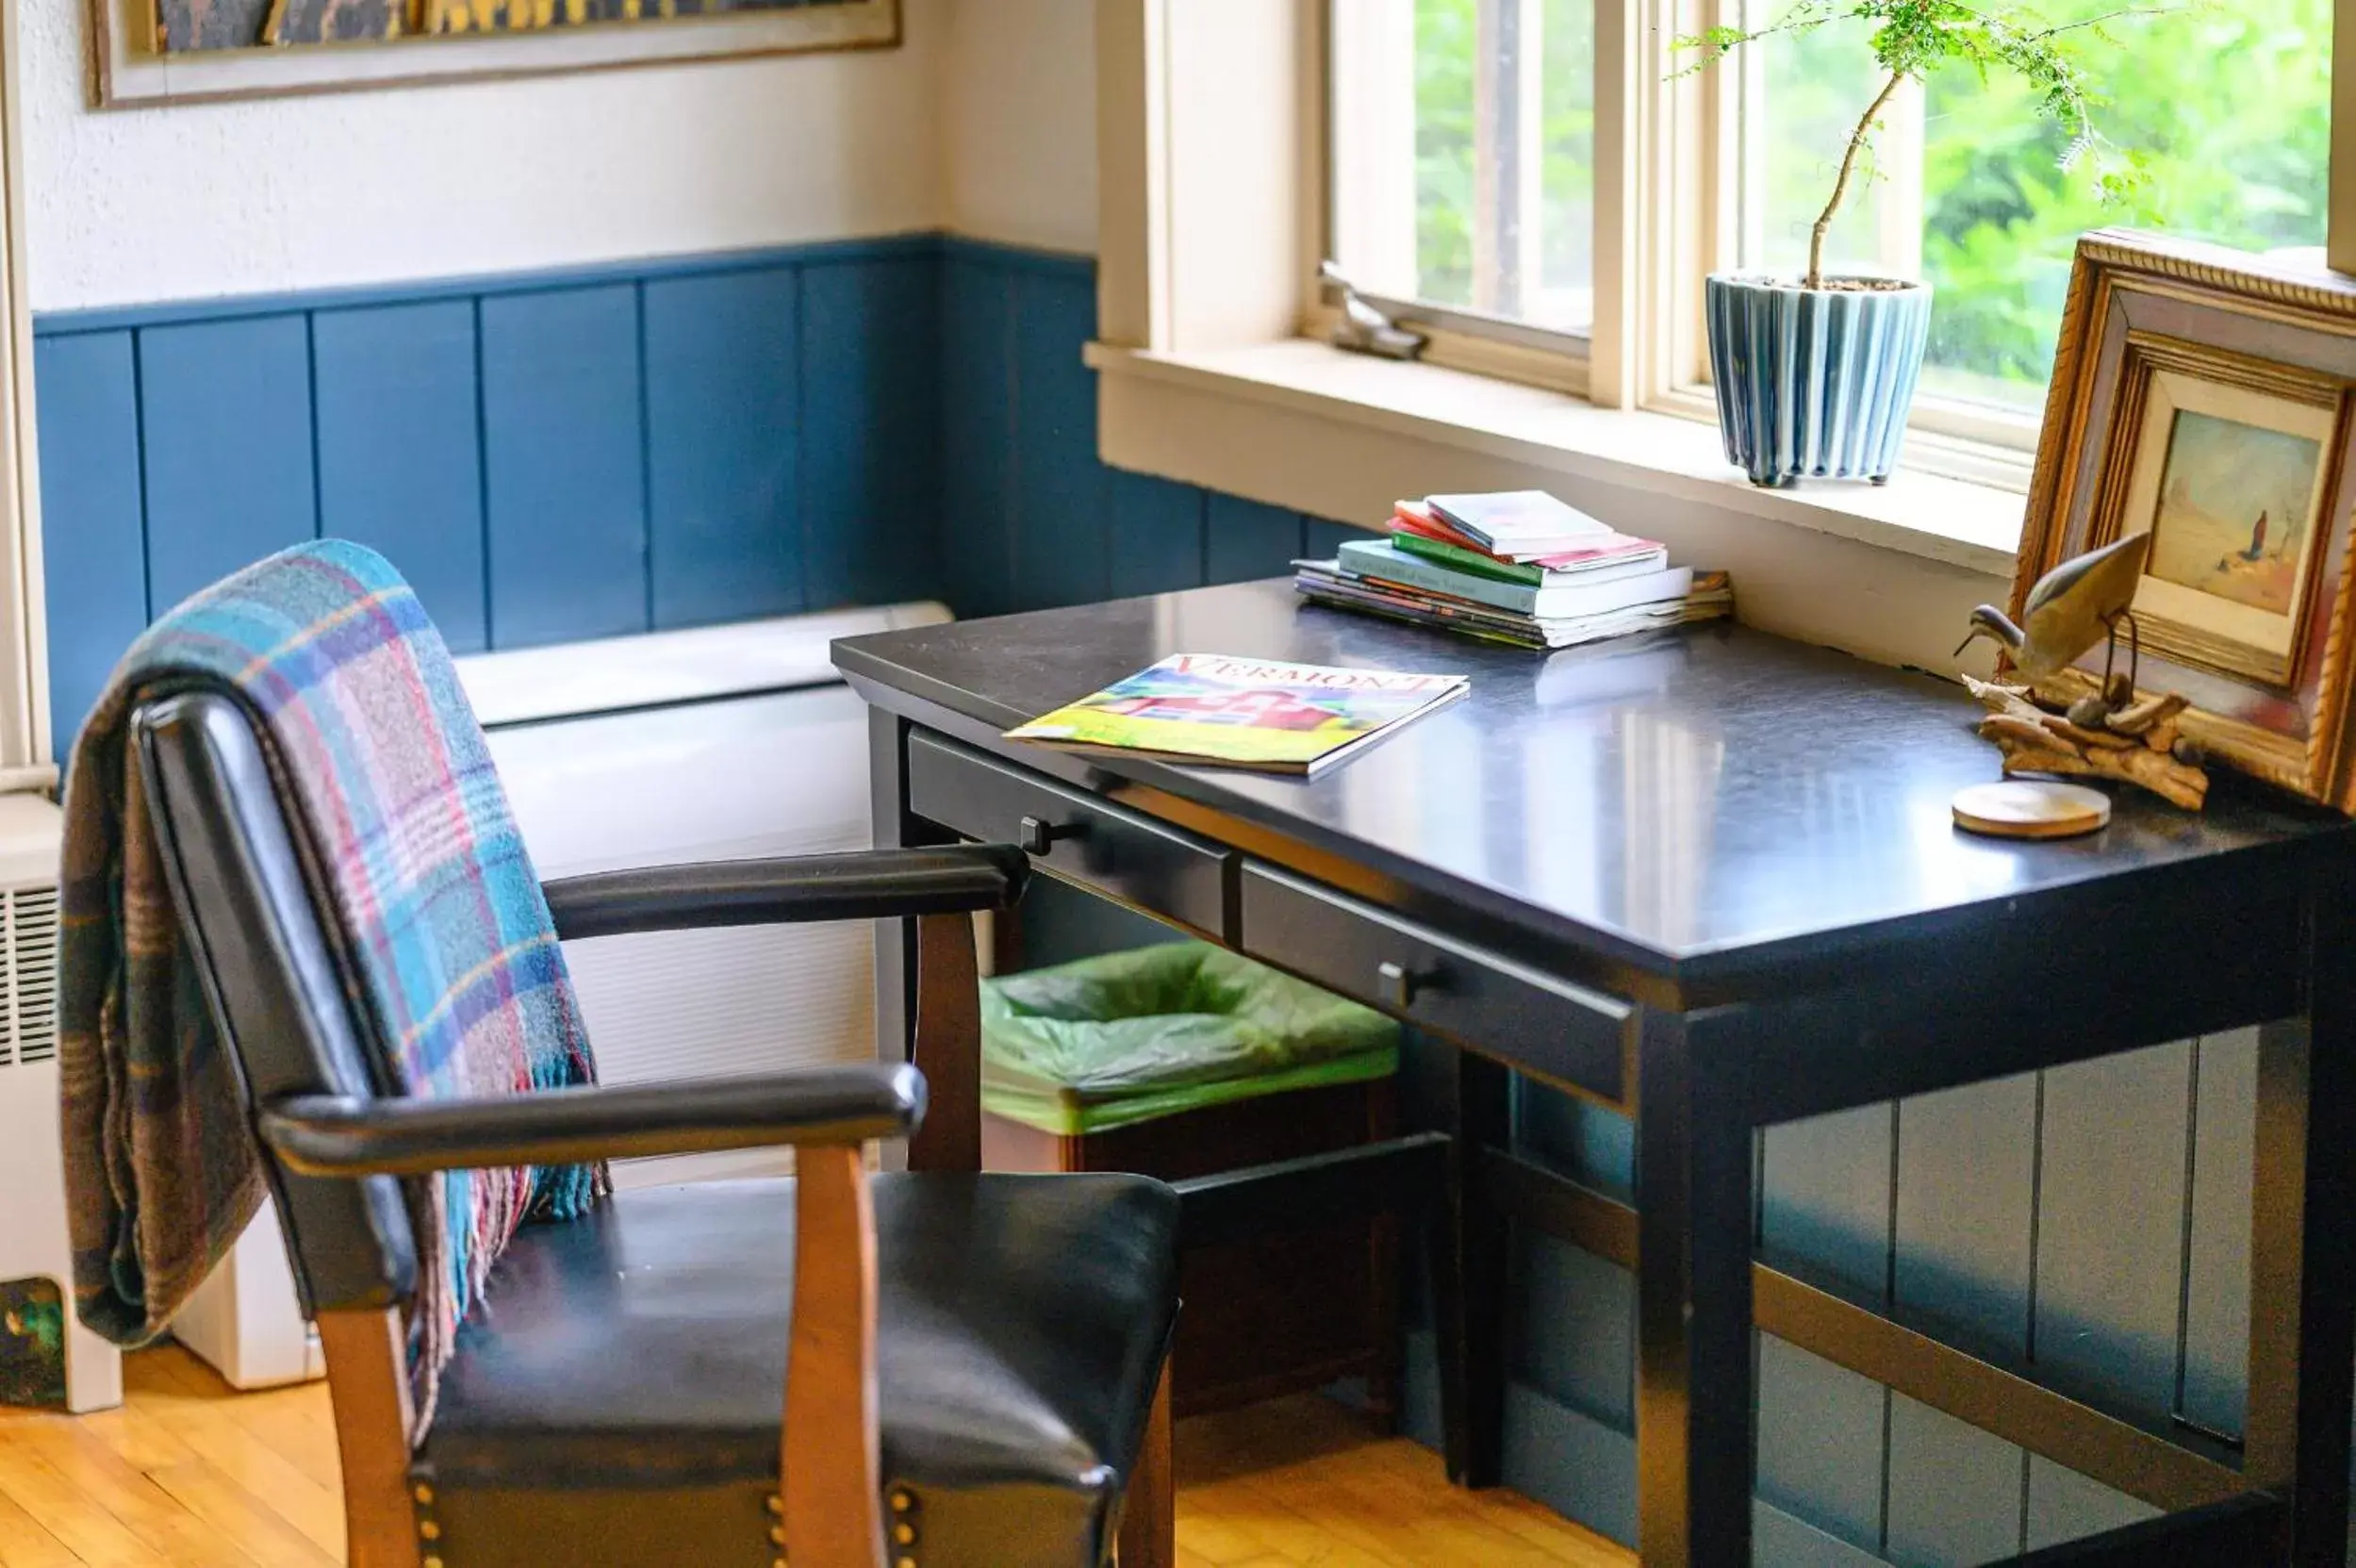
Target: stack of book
[{"x": 1519, "y": 566}]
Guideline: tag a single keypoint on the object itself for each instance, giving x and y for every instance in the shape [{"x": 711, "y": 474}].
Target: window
[{"x": 1471, "y": 172}]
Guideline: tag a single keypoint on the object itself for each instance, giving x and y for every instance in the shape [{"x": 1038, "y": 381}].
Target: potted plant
[{"x": 1815, "y": 375}]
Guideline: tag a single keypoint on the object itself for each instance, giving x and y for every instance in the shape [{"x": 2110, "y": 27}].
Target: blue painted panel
[
  {"x": 1822, "y": 1433},
  {"x": 1573, "y": 1463},
  {"x": 2110, "y": 1223},
  {"x": 1824, "y": 1203},
  {"x": 1966, "y": 1186},
  {"x": 870, "y": 459},
  {"x": 225, "y": 416},
  {"x": 1244, "y": 539},
  {"x": 1157, "y": 535},
  {"x": 978, "y": 435},
  {"x": 1321, "y": 539},
  {"x": 399, "y": 463},
  {"x": 1954, "y": 1492},
  {"x": 2216, "y": 1299},
  {"x": 93, "y": 563},
  {"x": 723, "y": 406},
  {"x": 564, "y": 465},
  {"x": 2064, "y": 1505},
  {"x": 1572, "y": 1332},
  {"x": 1060, "y": 490}
]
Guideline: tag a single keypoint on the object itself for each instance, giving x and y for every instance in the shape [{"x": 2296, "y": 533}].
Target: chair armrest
[
  {"x": 340, "y": 1136},
  {"x": 863, "y": 886}
]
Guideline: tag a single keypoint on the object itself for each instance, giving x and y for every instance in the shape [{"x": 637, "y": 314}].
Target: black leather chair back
[{"x": 237, "y": 861}]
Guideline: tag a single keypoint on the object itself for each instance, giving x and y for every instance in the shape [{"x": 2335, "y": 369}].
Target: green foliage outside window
[{"x": 2224, "y": 109}]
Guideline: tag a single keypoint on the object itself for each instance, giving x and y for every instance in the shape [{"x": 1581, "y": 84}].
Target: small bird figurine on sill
[{"x": 2071, "y": 609}]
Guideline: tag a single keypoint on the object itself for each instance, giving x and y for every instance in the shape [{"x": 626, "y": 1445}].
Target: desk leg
[
  {"x": 1469, "y": 1278},
  {"x": 1694, "y": 1425},
  {"x": 895, "y": 940},
  {"x": 2302, "y": 1264}
]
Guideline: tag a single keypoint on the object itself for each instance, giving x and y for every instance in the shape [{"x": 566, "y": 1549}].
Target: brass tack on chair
[
  {"x": 777, "y": 1535},
  {"x": 902, "y": 1502},
  {"x": 904, "y": 1533},
  {"x": 431, "y": 1563},
  {"x": 430, "y": 1530},
  {"x": 424, "y": 1494},
  {"x": 775, "y": 1504},
  {"x": 906, "y": 1562}
]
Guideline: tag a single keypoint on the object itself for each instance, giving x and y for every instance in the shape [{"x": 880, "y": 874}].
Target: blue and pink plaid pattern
[{"x": 436, "y": 915}]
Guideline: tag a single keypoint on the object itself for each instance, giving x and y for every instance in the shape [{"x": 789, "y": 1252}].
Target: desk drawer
[
  {"x": 1509, "y": 1010},
  {"x": 1088, "y": 841}
]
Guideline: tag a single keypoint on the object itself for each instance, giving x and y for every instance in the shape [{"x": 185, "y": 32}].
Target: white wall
[
  {"x": 142, "y": 206},
  {"x": 1018, "y": 123}
]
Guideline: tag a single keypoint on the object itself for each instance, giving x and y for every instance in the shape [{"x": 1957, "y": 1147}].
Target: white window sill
[{"x": 1963, "y": 524}]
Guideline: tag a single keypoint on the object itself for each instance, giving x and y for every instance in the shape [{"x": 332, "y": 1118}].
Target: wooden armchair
[{"x": 973, "y": 1360}]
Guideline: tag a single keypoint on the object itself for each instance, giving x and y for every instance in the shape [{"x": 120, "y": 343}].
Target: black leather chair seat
[{"x": 642, "y": 1350}]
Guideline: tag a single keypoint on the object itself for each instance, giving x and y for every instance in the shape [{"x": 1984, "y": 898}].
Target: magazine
[{"x": 1218, "y": 710}]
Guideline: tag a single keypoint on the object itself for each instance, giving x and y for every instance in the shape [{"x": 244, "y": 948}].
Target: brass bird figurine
[{"x": 2072, "y": 608}]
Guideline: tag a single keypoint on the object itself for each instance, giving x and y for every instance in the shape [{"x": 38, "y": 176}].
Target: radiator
[{"x": 721, "y": 743}]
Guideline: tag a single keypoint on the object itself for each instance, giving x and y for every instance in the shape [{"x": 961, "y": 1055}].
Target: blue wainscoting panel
[
  {"x": 977, "y": 434},
  {"x": 1967, "y": 1194},
  {"x": 871, "y": 496},
  {"x": 1156, "y": 540},
  {"x": 2217, "y": 1295},
  {"x": 1060, "y": 482},
  {"x": 563, "y": 457},
  {"x": 1954, "y": 1492},
  {"x": 1574, "y": 1327},
  {"x": 2110, "y": 1223},
  {"x": 723, "y": 415},
  {"x": 1244, "y": 539},
  {"x": 1321, "y": 539},
  {"x": 2064, "y": 1505},
  {"x": 92, "y": 557},
  {"x": 400, "y": 461},
  {"x": 1823, "y": 1440},
  {"x": 1825, "y": 1197},
  {"x": 226, "y": 416}
]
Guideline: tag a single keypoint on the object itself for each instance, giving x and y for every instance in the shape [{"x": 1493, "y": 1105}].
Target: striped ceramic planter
[{"x": 1813, "y": 382}]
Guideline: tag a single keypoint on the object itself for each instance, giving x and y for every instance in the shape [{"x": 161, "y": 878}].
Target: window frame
[{"x": 1670, "y": 186}]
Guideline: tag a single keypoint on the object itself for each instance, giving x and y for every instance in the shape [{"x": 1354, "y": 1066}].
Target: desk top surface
[{"x": 1710, "y": 791}]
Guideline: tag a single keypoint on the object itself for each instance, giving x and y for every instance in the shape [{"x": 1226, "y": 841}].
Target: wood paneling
[
  {"x": 400, "y": 455},
  {"x": 225, "y": 427},
  {"x": 94, "y": 521},
  {"x": 870, "y": 511},
  {"x": 565, "y": 460},
  {"x": 977, "y": 432},
  {"x": 1244, "y": 539},
  {"x": 1060, "y": 484},
  {"x": 723, "y": 416}
]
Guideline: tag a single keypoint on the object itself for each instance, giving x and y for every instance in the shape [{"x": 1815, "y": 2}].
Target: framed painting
[
  {"x": 180, "y": 51},
  {"x": 2203, "y": 395}
]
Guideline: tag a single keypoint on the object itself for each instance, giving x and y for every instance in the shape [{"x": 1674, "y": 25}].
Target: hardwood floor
[{"x": 189, "y": 1474}]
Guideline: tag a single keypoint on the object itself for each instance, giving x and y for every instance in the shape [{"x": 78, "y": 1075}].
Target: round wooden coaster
[{"x": 2031, "y": 808}]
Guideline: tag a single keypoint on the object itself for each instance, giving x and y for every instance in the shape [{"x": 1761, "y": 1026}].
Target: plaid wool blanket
[{"x": 438, "y": 925}]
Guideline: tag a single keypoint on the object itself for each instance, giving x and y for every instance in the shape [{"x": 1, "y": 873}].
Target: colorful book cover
[
  {"x": 1619, "y": 555},
  {"x": 1222, "y": 710},
  {"x": 1517, "y": 525},
  {"x": 1382, "y": 559}
]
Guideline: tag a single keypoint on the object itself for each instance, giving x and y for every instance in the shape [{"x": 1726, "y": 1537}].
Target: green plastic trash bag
[{"x": 1126, "y": 1037}]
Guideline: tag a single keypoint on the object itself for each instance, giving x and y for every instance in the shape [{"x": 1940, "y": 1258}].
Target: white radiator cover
[
  {"x": 33, "y": 1242},
  {"x": 721, "y": 743}
]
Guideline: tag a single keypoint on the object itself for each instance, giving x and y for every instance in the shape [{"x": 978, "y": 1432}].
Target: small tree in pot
[{"x": 1815, "y": 378}]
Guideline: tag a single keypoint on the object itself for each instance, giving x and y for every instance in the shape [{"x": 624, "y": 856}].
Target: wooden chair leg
[
  {"x": 1149, "y": 1513},
  {"x": 368, "y": 1384},
  {"x": 948, "y": 1046},
  {"x": 829, "y": 1457}
]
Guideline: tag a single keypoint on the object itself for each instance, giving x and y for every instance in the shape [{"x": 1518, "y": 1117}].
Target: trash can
[{"x": 1181, "y": 1059}]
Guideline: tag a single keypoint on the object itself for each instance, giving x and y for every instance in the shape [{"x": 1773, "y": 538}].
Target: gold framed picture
[{"x": 2204, "y": 395}]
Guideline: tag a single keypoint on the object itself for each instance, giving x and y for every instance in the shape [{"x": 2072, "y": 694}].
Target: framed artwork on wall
[
  {"x": 2205, "y": 395},
  {"x": 176, "y": 51}
]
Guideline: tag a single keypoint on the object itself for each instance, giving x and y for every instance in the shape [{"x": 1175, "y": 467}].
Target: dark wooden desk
[{"x": 1709, "y": 879}]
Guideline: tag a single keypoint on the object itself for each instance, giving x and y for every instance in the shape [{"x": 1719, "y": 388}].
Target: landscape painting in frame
[
  {"x": 2232, "y": 483},
  {"x": 154, "y": 51}
]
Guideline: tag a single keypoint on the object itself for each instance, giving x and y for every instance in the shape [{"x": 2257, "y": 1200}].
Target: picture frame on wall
[
  {"x": 2205, "y": 395},
  {"x": 158, "y": 51}
]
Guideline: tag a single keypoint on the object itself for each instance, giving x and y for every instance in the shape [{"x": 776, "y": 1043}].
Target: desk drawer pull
[
  {"x": 1039, "y": 835},
  {"x": 1397, "y": 984}
]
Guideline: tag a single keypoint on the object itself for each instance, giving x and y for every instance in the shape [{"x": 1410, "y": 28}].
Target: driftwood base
[{"x": 2137, "y": 744}]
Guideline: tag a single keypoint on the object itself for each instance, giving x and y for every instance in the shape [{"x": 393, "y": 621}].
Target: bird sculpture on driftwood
[{"x": 2072, "y": 608}]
